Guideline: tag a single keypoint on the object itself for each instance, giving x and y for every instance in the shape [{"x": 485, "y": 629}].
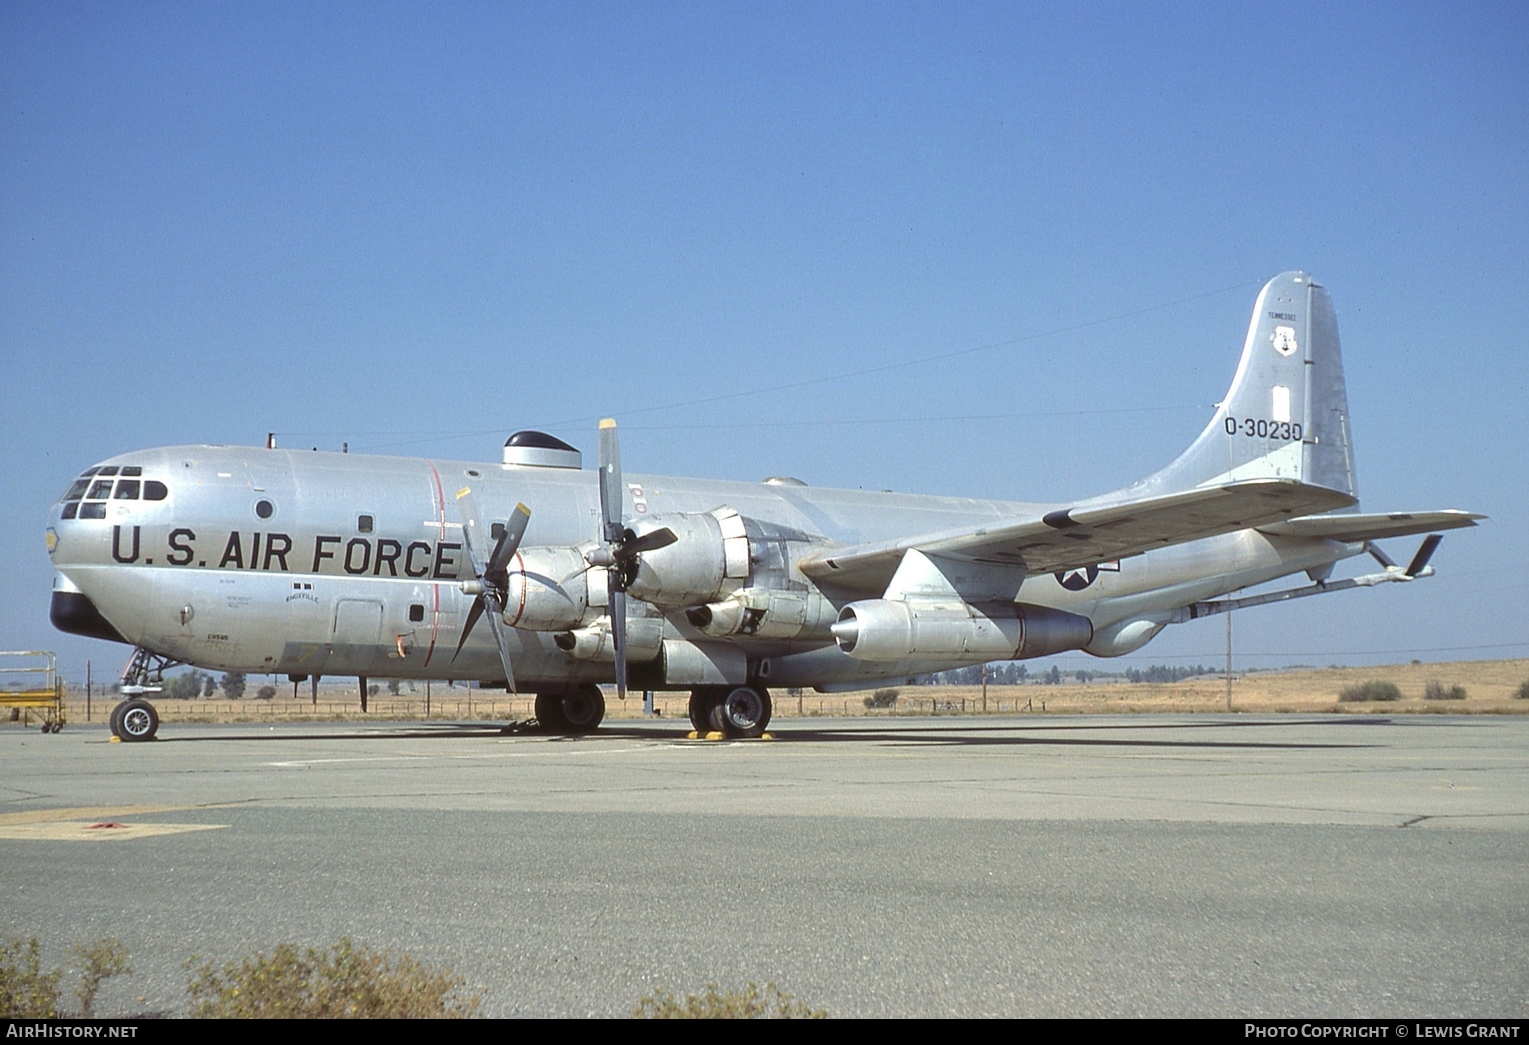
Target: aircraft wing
[
  {"x": 1355, "y": 528},
  {"x": 1087, "y": 534}
]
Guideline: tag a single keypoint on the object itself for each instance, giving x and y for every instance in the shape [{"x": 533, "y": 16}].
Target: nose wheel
[{"x": 134, "y": 720}]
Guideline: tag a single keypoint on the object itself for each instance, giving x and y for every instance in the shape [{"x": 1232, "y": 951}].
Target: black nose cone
[{"x": 73, "y": 612}]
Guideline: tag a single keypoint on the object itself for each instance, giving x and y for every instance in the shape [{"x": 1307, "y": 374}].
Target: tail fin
[{"x": 1286, "y": 414}]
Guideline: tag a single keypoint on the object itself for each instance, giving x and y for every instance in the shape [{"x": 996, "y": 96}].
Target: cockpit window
[
  {"x": 154, "y": 490},
  {"x": 127, "y": 490},
  {"x": 133, "y": 469},
  {"x": 112, "y": 470},
  {"x": 70, "y": 510},
  {"x": 96, "y": 510},
  {"x": 100, "y": 491},
  {"x": 87, "y": 473},
  {"x": 76, "y": 490}
]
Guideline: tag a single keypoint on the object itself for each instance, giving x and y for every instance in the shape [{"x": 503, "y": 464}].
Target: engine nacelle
[
  {"x": 548, "y": 589},
  {"x": 644, "y": 639},
  {"x": 931, "y": 629},
  {"x": 709, "y": 559},
  {"x": 766, "y": 613},
  {"x": 1127, "y": 636}
]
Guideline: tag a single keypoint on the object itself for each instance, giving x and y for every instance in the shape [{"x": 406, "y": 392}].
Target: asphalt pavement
[{"x": 1215, "y": 865}]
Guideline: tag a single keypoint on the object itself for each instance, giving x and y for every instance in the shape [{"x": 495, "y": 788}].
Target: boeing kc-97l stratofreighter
[{"x": 308, "y": 564}]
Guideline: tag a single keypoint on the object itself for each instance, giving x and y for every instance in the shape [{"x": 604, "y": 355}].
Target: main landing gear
[
  {"x": 572, "y": 711},
  {"x": 736, "y": 711}
]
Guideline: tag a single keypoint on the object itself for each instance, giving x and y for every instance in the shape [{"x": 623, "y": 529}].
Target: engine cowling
[
  {"x": 644, "y": 640},
  {"x": 766, "y": 613},
  {"x": 548, "y": 589},
  {"x": 912, "y": 629},
  {"x": 709, "y": 559}
]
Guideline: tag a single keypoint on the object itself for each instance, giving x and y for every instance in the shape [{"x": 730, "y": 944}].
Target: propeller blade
[
  {"x": 648, "y": 542},
  {"x": 496, "y": 625},
  {"x": 610, "y": 483},
  {"x": 467, "y": 628},
  {"x": 618, "y": 635},
  {"x": 509, "y": 543},
  {"x": 472, "y": 523},
  {"x": 1425, "y": 552}
]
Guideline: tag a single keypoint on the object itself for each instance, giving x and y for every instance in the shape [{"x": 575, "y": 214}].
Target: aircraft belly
[
  {"x": 1173, "y": 577},
  {"x": 210, "y": 620}
]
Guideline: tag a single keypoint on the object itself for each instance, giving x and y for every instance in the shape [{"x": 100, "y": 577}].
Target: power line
[{"x": 938, "y": 357}]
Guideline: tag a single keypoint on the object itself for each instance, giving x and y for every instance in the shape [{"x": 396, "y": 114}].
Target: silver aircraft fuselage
[
  {"x": 310, "y": 564},
  {"x": 315, "y": 563}
]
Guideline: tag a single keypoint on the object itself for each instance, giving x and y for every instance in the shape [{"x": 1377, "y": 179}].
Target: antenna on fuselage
[{"x": 270, "y": 440}]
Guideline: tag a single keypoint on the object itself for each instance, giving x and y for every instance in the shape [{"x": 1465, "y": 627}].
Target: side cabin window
[{"x": 364, "y": 524}]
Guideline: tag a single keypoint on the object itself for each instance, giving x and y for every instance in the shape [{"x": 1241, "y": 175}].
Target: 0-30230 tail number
[{"x": 1261, "y": 429}]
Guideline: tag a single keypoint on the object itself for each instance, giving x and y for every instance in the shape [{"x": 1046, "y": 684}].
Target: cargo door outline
[{"x": 357, "y": 627}]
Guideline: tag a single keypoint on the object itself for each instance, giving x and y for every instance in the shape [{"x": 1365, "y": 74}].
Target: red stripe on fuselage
[{"x": 440, "y": 514}]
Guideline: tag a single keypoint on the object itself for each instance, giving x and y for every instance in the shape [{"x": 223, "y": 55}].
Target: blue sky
[{"x": 417, "y": 229}]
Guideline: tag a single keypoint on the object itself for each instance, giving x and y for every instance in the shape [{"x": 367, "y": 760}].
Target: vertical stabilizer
[{"x": 1286, "y": 414}]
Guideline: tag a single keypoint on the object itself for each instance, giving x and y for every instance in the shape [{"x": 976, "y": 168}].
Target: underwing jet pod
[{"x": 308, "y": 564}]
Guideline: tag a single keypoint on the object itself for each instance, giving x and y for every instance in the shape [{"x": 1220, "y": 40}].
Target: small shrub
[
  {"x": 344, "y": 982},
  {"x": 751, "y": 1003},
  {"x": 882, "y": 698},
  {"x": 26, "y": 992},
  {"x": 98, "y": 962},
  {"x": 1436, "y": 691},
  {"x": 1523, "y": 692},
  {"x": 266, "y": 692},
  {"x": 1370, "y": 691}
]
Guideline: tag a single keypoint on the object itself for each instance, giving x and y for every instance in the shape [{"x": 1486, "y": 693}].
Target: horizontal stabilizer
[
  {"x": 1352, "y": 529},
  {"x": 1086, "y": 534}
]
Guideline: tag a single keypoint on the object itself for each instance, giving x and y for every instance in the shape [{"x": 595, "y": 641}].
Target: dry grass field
[{"x": 1491, "y": 687}]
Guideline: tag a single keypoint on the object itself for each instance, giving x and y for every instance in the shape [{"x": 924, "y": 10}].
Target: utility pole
[
  {"x": 1228, "y": 660},
  {"x": 87, "y": 691}
]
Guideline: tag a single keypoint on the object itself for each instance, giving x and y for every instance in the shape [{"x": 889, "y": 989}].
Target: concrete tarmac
[{"x": 1210, "y": 865}]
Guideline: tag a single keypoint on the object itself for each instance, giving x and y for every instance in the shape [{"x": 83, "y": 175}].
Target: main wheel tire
[
  {"x": 583, "y": 709},
  {"x": 138, "y": 721},
  {"x": 744, "y": 711},
  {"x": 549, "y": 712},
  {"x": 702, "y": 703},
  {"x": 115, "y": 719}
]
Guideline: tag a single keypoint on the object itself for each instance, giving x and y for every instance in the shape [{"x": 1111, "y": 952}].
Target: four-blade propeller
[
  {"x": 620, "y": 547},
  {"x": 490, "y": 579},
  {"x": 618, "y": 554}
]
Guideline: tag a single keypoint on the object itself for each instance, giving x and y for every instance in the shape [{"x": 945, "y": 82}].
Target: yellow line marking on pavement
[
  {"x": 93, "y": 813},
  {"x": 94, "y": 830}
]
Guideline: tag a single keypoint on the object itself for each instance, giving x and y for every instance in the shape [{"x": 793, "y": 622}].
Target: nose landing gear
[{"x": 135, "y": 718}]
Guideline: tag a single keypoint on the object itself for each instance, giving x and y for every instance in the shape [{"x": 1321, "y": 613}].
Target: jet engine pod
[
  {"x": 709, "y": 558},
  {"x": 897, "y": 629},
  {"x": 547, "y": 589}
]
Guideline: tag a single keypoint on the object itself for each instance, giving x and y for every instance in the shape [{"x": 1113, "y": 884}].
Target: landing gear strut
[{"x": 135, "y": 718}]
